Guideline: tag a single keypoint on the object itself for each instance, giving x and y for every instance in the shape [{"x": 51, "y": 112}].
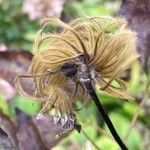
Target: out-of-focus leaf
[
  {"x": 26, "y": 105},
  {"x": 87, "y": 110},
  {"x": 58, "y": 148},
  {"x": 141, "y": 80},
  {"x": 91, "y": 132},
  {"x": 87, "y": 8},
  {"x": 134, "y": 141},
  {"x": 106, "y": 143},
  {"x": 131, "y": 108},
  {"x": 8, "y": 139},
  {"x": 121, "y": 124},
  {"x": 135, "y": 76},
  {"x": 137, "y": 13},
  {"x": 14, "y": 25},
  {"x": 107, "y": 99},
  {"x": 4, "y": 105},
  {"x": 80, "y": 138}
]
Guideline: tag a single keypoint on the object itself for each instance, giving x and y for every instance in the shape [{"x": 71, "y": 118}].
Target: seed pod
[{"x": 105, "y": 45}]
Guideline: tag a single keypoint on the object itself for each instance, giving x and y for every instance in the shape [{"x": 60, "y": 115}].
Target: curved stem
[
  {"x": 93, "y": 143},
  {"x": 135, "y": 117},
  {"x": 106, "y": 118}
]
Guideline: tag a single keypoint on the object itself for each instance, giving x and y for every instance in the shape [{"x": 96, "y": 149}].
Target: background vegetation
[{"x": 18, "y": 28}]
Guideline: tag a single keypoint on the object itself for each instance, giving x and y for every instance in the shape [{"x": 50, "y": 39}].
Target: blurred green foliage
[
  {"x": 3, "y": 106},
  {"x": 27, "y": 105},
  {"x": 17, "y": 31}
]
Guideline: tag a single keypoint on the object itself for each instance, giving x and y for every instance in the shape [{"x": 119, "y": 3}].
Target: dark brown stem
[{"x": 106, "y": 118}]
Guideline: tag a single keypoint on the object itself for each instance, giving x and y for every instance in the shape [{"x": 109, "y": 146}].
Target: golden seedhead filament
[{"x": 104, "y": 45}]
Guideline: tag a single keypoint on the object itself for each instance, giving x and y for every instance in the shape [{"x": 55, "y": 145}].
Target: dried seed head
[{"x": 106, "y": 45}]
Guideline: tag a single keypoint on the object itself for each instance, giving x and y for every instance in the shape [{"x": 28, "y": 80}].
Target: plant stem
[
  {"x": 106, "y": 118},
  {"x": 135, "y": 117},
  {"x": 84, "y": 133}
]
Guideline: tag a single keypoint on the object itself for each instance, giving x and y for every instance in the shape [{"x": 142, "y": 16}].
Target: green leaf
[
  {"x": 131, "y": 108},
  {"x": 81, "y": 138},
  {"x": 29, "y": 106},
  {"x": 75, "y": 136},
  {"x": 58, "y": 148},
  {"x": 140, "y": 79},
  {"x": 121, "y": 124},
  {"x": 4, "y": 106},
  {"x": 105, "y": 143},
  {"x": 107, "y": 99},
  {"x": 91, "y": 132}
]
